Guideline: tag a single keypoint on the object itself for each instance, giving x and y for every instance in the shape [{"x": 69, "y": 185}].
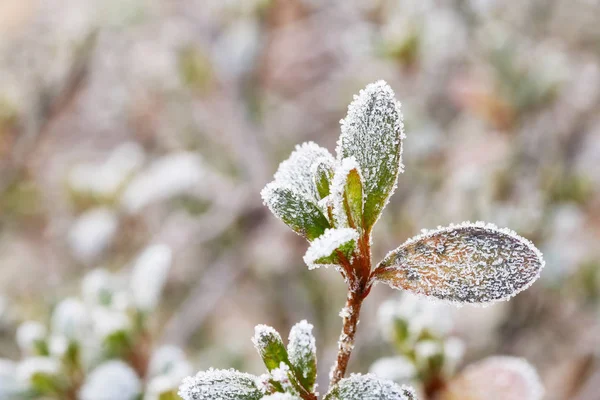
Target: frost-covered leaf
[
  {"x": 269, "y": 345},
  {"x": 372, "y": 132},
  {"x": 326, "y": 250},
  {"x": 369, "y": 387},
  {"x": 496, "y": 378},
  {"x": 322, "y": 175},
  {"x": 296, "y": 210},
  {"x": 466, "y": 263},
  {"x": 281, "y": 396},
  {"x": 297, "y": 172},
  {"x": 217, "y": 384},
  {"x": 302, "y": 353},
  {"x": 347, "y": 193}
]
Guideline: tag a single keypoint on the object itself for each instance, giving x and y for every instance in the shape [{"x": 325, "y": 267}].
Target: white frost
[
  {"x": 326, "y": 244},
  {"x": 338, "y": 188},
  {"x": 474, "y": 263},
  {"x": 296, "y": 172},
  {"x": 218, "y": 384}
]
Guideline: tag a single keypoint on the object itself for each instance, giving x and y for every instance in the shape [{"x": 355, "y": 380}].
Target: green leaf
[
  {"x": 372, "y": 132},
  {"x": 302, "y": 352},
  {"x": 322, "y": 175},
  {"x": 467, "y": 263},
  {"x": 347, "y": 193},
  {"x": 369, "y": 387},
  {"x": 298, "y": 212},
  {"x": 331, "y": 248},
  {"x": 217, "y": 384},
  {"x": 270, "y": 347},
  {"x": 297, "y": 172},
  {"x": 496, "y": 378}
]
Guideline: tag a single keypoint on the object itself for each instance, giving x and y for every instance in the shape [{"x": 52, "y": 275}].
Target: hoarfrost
[
  {"x": 325, "y": 245},
  {"x": 369, "y": 387},
  {"x": 338, "y": 189},
  {"x": 467, "y": 263},
  {"x": 281, "y": 396},
  {"x": 298, "y": 211},
  {"x": 264, "y": 336},
  {"x": 297, "y": 172},
  {"x": 302, "y": 349},
  {"x": 372, "y": 132},
  {"x": 218, "y": 384}
]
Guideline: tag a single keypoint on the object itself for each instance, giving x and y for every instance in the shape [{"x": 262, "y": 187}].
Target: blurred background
[{"x": 126, "y": 123}]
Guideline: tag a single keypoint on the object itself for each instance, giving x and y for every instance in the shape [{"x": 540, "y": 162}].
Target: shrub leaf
[
  {"x": 347, "y": 195},
  {"x": 217, "y": 384},
  {"x": 328, "y": 249},
  {"x": 294, "y": 209},
  {"x": 270, "y": 347},
  {"x": 372, "y": 132},
  {"x": 302, "y": 352},
  {"x": 466, "y": 263},
  {"x": 369, "y": 387}
]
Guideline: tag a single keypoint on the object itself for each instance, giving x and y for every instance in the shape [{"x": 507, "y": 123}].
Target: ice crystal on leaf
[
  {"x": 496, "y": 378},
  {"x": 330, "y": 247},
  {"x": 302, "y": 353},
  {"x": 269, "y": 345},
  {"x": 466, "y": 263},
  {"x": 281, "y": 396},
  {"x": 322, "y": 175},
  {"x": 372, "y": 132},
  {"x": 296, "y": 210},
  {"x": 347, "y": 195},
  {"x": 298, "y": 170},
  {"x": 369, "y": 387},
  {"x": 217, "y": 384}
]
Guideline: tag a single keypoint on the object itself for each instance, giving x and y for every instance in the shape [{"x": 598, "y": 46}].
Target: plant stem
[{"x": 346, "y": 342}]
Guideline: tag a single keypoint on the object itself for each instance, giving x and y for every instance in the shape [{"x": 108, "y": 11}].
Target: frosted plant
[
  {"x": 98, "y": 346},
  {"x": 334, "y": 202}
]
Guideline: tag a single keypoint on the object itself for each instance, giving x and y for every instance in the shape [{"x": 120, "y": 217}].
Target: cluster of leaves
[
  {"x": 334, "y": 202},
  {"x": 428, "y": 356},
  {"x": 291, "y": 374},
  {"x": 98, "y": 346}
]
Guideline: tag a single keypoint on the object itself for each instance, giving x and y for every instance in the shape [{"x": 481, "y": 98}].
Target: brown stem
[
  {"x": 346, "y": 342},
  {"x": 359, "y": 286}
]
